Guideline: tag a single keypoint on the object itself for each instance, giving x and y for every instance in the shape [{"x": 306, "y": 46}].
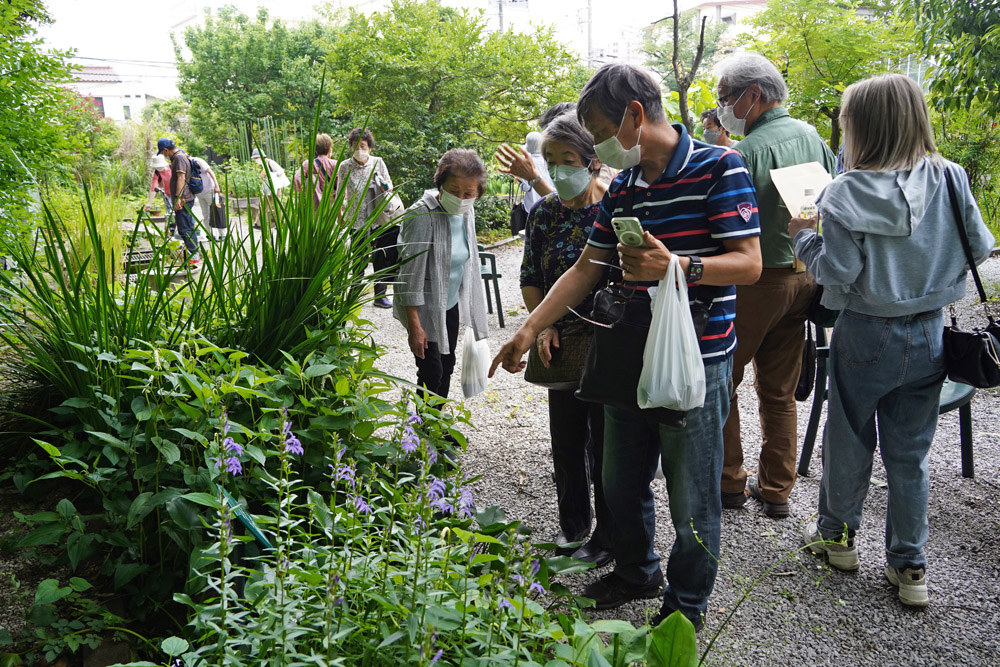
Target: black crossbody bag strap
[{"x": 964, "y": 235}]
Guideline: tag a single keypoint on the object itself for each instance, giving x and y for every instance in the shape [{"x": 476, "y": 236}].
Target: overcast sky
[{"x": 128, "y": 30}]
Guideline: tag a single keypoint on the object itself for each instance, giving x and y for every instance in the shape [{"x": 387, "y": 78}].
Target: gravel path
[{"x": 797, "y": 611}]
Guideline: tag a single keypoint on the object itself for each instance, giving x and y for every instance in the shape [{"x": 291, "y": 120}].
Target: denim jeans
[
  {"x": 692, "y": 465},
  {"x": 885, "y": 385},
  {"x": 185, "y": 227}
]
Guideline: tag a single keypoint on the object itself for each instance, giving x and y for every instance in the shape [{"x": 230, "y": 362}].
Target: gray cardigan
[{"x": 423, "y": 276}]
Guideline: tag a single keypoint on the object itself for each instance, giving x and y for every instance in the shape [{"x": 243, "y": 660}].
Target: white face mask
[
  {"x": 361, "y": 156},
  {"x": 452, "y": 205},
  {"x": 613, "y": 154},
  {"x": 728, "y": 119},
  {"x": 570, "y": 181}
]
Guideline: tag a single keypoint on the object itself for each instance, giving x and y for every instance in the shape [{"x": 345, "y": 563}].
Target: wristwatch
[
  {"x": 695, "y": 269},
  {"x": 531, "y": 183}
]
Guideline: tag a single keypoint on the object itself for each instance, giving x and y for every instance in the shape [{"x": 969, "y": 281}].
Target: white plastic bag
[
  {"x": 673, "y": 375},
  {"x": 475, "y": 363}
]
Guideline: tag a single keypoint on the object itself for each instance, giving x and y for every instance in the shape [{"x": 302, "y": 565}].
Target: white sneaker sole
[
  {"x": 912, "y": 595},
  {"x": 844, "y": 560}
]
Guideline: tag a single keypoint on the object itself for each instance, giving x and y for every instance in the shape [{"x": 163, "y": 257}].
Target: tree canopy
[
  {"x": 426, "y": 78},
  {"x": 823, "y": 47},
  {"x": 241, "y": 69},
  {"x": 962, "y": 39},
  {"x": 32, "y": 104}
]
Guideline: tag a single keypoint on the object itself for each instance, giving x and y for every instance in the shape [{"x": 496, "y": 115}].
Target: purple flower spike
[
  {"x": 535, "y": 567},
  {"x": 232, "y": 447},
  {"x": 465, "y": 503},
  {"x": 339, "y": 601},
  {"x": 518, "y": 578},
  {"x": 346, "y": 473},
  {"x": 436, "y": 489},
  {"x": 286, "y": 428},
  {"x": 432, "y": 455},
  {"x": 437, "y": 656},
  {"x": 360, "y": 505},
  {"x": 419, "y": 521},
  {"x": 443, "y": 506},
  {"x": 410, "y": 441},
  {"x": 505, "y": 604},
  {"x": 225, "y": 422},
  {"x": 233, "y": 466},
  {"x": 293, "y": 446},
  {"x": 414, "y": 418},
  {"x": 536, "y": 587}
]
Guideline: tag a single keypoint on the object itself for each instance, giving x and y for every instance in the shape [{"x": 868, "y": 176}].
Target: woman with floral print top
[{"x": 556, "y": 233}]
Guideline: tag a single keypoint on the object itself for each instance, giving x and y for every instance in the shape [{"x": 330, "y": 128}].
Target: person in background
[
  {"x": 439, "y": 278},
  {"x": 272, "y": 177},
  {"x": 206, "y": 198},
  {"x": 890, "y": 257},
  {"x": 180, "y": 169},
  {"x": 770, "y": 314},
  {"x": 713, "y": 132},
  {"x": 161, "y": 180},
  {"x": 555, "y": 111},
  {"x": 555, "y": 236},
  {"x": 322, "y": 169},
  {"x": 699, "y": 199},
  {"x": 365, "y": 180}
]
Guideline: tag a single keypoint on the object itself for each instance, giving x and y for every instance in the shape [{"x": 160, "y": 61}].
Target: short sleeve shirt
[
  {"x": 703, "y": 197},
  {"x": 554, "y": 238},
  {"x": 181, "y": 163}
]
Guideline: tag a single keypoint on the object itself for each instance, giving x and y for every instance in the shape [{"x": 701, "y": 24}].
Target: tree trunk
[
  {"x": 835, "y": 131},
  {"x": 682, "y": 104}
]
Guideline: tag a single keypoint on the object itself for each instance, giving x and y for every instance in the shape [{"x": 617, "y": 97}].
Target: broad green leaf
[
  {"x": 79, "y": 585},
  {"x": 319, "y": 370},
  {"x": 202, "y": 499},
  {"x": 174, "y": 646},
  {"x": 49, "y": 591},
  {"x": 673, "y": 643}
]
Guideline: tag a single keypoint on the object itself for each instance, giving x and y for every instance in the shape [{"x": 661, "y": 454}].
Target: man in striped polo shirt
[{"x": 698, "y": 201}]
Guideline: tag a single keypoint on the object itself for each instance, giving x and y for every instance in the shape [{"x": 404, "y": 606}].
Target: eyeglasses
[{"x": 721, "y": 102}]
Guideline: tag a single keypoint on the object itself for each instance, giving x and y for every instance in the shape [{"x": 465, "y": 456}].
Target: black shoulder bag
[
  {"x": 971, "y": 357},
  {"x": 614, "y": 362}
]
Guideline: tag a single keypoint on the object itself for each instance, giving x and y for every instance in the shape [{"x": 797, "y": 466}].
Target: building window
[{"x": 127, "y": 111}]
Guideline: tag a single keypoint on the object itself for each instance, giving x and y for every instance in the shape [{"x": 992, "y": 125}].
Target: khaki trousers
[{"x": 770, "y": 317}]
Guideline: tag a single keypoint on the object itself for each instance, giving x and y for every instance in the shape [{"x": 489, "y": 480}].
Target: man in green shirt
[{"x": 771, "y": 313}]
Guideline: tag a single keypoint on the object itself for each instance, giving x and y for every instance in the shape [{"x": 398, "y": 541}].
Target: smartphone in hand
[{"x": 628, "y": 231}]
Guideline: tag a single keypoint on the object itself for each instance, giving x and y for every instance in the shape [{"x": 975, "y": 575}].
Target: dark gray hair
[
  {"x": 615, "y": 85},
  {"x": 554, "y": 111},
  {"x": 566, "y": 129},
  {"x": 739, "y": 71}
]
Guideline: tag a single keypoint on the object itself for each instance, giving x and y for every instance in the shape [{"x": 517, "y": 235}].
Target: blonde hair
[{"x": 886, "y": 124}]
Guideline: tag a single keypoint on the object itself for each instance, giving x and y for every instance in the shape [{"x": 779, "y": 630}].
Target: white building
[{"x": 118, "y": 99}]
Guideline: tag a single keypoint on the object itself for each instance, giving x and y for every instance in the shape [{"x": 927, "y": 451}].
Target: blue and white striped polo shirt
[{"x": 704, "y": 197}]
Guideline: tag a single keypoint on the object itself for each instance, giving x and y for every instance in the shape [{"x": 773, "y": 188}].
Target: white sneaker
[
  {"x": 912, "y": 584},
  {"x": 842, "y": 555}
]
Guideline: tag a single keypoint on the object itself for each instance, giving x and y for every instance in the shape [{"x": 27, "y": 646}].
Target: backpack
[{"x": 195, "y": 184}]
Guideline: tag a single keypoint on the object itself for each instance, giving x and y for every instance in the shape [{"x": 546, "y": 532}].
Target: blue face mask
[{"x": 711, "y": 136}]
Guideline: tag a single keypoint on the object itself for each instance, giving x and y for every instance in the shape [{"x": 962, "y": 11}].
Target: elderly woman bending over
[{"x": 440, "y": 285}]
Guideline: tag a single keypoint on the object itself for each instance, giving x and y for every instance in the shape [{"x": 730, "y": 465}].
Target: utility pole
[
  {"x": 500, "y": 7},
  {"x": 590, "y": 34}
]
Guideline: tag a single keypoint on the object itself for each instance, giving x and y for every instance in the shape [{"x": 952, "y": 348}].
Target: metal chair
[
  {"x": 954, "y": 395},
  {"x": 488, "y": 270}
]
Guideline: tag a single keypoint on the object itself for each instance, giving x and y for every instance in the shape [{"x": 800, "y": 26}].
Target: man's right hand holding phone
[{"x": 646, "y": 263}]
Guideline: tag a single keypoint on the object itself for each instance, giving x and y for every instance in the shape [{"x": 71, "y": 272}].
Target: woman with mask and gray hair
[
  {"x": 890, "y": 257},
  {"x": 365, "y": 180},
  {"x": 439, "y": 285},
  {"x": 555, "y": 236}
]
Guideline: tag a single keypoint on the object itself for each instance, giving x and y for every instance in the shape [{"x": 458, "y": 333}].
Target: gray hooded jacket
[
  {"x": 889, "y": 245},
  {"x": 425, "y": 253}
]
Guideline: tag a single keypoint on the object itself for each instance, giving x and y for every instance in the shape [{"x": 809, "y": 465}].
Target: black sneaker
[
  {"x": 733, "y": 501},
  {"x": 666, "y": 610},
  {"x": 611, "y": 591},
  {"x": 593, "y": 552},
  {"x": 773, "y": 510}
]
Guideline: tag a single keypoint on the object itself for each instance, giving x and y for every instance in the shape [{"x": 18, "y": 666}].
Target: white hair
[{"x": 739, "y": 71}]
